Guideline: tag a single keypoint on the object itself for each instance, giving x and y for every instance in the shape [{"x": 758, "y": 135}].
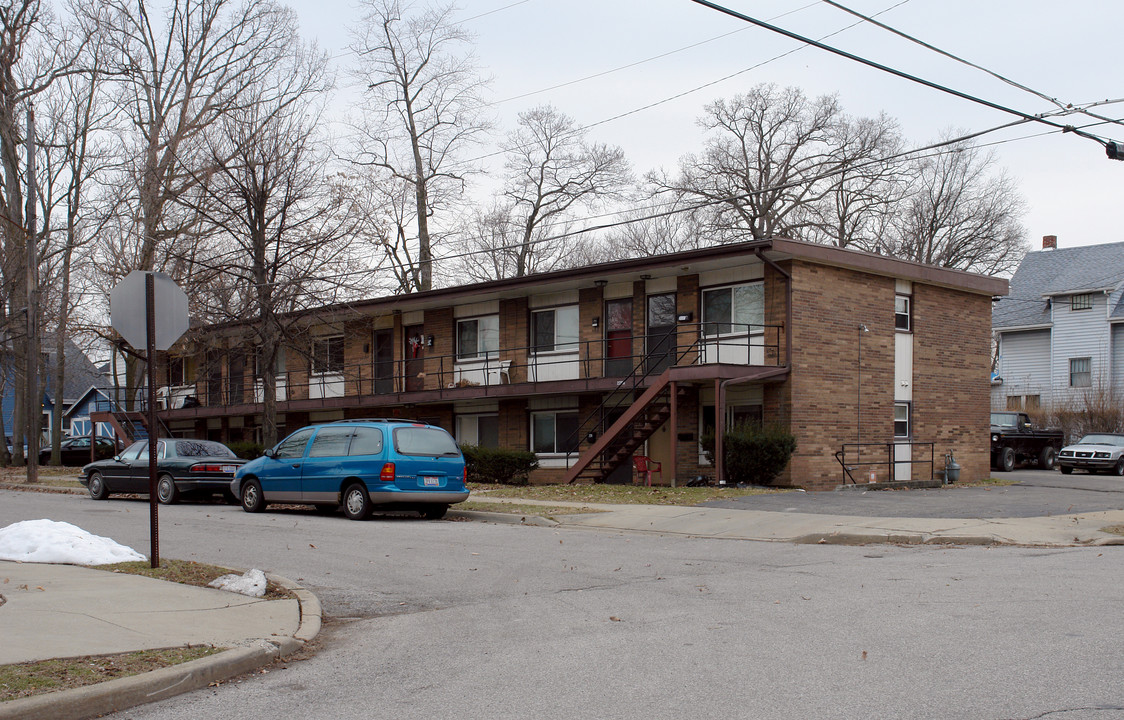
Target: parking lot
[{"x": 1036, "y": 493}]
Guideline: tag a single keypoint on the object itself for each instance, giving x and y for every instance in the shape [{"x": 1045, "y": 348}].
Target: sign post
[{"x": 149, "y": 310}]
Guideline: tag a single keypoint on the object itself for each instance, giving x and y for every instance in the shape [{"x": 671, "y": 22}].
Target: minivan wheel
[
  {"x": 434, "y": 512},
  {"x": 166, "y": 491},
  {"x": 96, "y": 485},
  {"x": 356, "y": 502},
  {"x": 252, "y": 499}
]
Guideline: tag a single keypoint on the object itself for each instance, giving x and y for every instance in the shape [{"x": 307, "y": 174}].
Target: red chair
[{"x": 646, "y": 466}]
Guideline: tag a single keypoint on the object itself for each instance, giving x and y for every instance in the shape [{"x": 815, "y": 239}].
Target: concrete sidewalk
[
  {"x": 58, "y": 611},
  {"x": 1053, "y": 530}
]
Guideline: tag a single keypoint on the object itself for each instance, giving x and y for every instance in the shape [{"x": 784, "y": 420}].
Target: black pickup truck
[{"x": 1014, "y": 439}]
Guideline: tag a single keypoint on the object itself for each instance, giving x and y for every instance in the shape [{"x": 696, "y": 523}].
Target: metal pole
[
  {"x": 150, "y": 342},
  {"x": 34, "y": 398}
]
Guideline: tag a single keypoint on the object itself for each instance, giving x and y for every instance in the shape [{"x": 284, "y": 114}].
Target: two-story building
[
  {"x": 1060, "y": 332},
  {"x": 877, "y": 358}
]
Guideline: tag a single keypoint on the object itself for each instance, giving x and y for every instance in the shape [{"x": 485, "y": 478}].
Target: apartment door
[
  {"x": 383, "y": 358},
  {"x": 618, "y": 338},
  {"x": 414, "y": 352},
  {"x": 660, "y": 351}
]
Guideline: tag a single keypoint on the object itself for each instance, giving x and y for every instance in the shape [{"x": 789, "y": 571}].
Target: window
[
  {"x": 733, "y": 309},
  {"x": 425, "y": 441},
  {"x": 478, "y": 338},
  {"x": 202, "y": 448},
  {"x": 555, "y": 330},
  {"x": 367, "y": 441},
  {"x": 327, "y": 354},
  {"x": 293, "y": 446},
  {"x": 1014, "y": 402},
  {"x": 1033, "y": 402},
  {"x": 1080, "y": 372},
  {"x": 902, "y": 317},
  {"x": 180, "y": 371},
  {"x": 1081, "y": 302},
  {"x": 330, "y": 442},
  {"x": 901, "y": 420},
  {"x": 554, "y": 432},
  {"x": 482, "y": 430}
]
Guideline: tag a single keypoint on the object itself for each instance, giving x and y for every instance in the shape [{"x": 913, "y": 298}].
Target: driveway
[{"x": 1038, "y": 493}]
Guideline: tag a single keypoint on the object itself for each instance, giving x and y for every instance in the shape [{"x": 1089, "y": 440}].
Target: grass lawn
[
  {"x": 614, "y": 494},
  {"x": 49, "y": 476},
  {"x": 35, "y": 678}
]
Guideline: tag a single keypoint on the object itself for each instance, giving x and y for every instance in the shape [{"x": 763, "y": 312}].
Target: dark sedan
[
  {"x": 76, "y": 451},
  {"x": 183, "y": 467}
]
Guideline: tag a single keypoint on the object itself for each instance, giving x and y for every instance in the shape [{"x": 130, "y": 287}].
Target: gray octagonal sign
[{"x": 127, "y": 309}]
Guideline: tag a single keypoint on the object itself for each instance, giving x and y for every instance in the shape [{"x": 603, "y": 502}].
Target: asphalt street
[
  {"x": 478, "y": 620},
  {"x": 1038, "y": 493}
]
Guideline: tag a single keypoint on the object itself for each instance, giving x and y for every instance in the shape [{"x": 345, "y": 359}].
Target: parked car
[
  {"x": 359, "y": 465},
  {"x": 1099, "y": 452},
  {"x": 1015, "y": 440},
  {"x": 76, "y": 450},
  {"x": 183, "y": 466}
]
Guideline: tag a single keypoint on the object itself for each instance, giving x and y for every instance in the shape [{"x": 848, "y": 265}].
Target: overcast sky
[{"x": 1065, "y": 50}]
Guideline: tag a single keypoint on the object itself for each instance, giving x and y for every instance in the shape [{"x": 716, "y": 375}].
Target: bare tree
[
  {"x": 769, "y": 157},
  {"x": 422, "y": 109},
  {"x": 962, "y": 212},
  {"x": 550, "y": 171},
  {"x": 178, "y": 75},
  {"x": 285, "y": 225}
]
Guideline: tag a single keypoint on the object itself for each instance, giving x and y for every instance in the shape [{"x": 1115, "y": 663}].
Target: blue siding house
[{"x": 1060, "y": 332}]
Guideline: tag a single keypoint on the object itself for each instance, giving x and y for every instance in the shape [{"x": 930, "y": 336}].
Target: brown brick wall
[
  {"x": 514, "y": 318},
  {"x": 951, "y": 391},
  {"x": 592, "y": 349},
  {"x": 439, "y": 324},
  {"x": 828, "y": 306}
]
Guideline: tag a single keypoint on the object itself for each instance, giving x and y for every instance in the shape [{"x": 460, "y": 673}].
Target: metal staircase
[{"x": 128, "y": 425}]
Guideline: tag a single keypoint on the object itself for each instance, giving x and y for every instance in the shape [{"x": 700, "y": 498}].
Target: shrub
[
  {"x": 507, "y": 467},
  {"x": 1092, "y": 410},
  {"x": 753, "y": 455},
  {"x": 246, "y": 450}
]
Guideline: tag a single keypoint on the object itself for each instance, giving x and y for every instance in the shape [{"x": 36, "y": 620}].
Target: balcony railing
[{"x": 687, "y": 344}]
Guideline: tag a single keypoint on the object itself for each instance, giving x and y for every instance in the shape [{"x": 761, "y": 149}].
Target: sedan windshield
[{"x": 1102, "y": 440}]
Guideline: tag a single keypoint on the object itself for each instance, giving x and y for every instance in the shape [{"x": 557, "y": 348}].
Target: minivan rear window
[{"x": 424, "y": 441}]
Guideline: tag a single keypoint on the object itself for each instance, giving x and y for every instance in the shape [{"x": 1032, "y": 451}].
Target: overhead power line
[{"x": 899, "y": 73}]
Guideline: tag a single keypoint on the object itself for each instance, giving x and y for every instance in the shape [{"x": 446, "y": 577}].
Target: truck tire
[
  {"x": 1046, "y": 458},
  {"x": 1007, "y": 459}
]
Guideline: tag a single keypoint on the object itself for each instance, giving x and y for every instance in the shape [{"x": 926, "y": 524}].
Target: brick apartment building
[{"x": 882, "y": 360}]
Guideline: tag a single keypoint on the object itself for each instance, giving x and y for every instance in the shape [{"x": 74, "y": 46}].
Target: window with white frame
[
  {"x": 903, "y": 318},
  {"x": 555, "y": 330},
  {"x": 735, "y": 309},
  {"x": 1081, "y": 302},
  {"x": 902, "y": 427},
  {"x": 327, "y": 354},
  {"x": 478, "y": 337},
  {"x": 554, "y": 432},
  {"x": 481, "y": 429},
  {"x": 1080, "y": 372}
]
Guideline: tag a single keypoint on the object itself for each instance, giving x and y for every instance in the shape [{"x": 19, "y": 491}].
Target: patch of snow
[
  {"x": 47, "y": 541},
  {"x": 252, "y": 583}
]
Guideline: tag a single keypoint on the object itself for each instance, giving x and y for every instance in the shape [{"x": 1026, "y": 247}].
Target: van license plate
[{"x": 428, "y": 481}]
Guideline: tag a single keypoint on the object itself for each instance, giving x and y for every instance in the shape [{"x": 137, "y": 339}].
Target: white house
[{"x": 1060, "y": 332}]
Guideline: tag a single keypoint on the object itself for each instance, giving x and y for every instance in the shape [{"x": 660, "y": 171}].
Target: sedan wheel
[
  {"x": 166, "y": 491},
  {"x": 1066, "y": 469},
  {"x": 96, "y": 486},
  {"x": 252, "y": 499},
  {"x": 1118, "y": 469},
  {"x": 356, "y": 502}
]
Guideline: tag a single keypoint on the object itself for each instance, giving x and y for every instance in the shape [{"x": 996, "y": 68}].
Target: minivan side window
[
  {"x": 367, "y": 441},
  {"x": 293, "y": 446},
  {"x": 424, "y": 441},
  {"x": 330, "y": 442}
]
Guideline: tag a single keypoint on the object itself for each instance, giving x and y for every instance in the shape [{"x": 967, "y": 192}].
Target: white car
[{"x": 1098, "y": 452}]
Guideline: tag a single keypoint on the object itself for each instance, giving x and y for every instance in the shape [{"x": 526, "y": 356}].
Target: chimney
[{"x": 1049, "y": 242}]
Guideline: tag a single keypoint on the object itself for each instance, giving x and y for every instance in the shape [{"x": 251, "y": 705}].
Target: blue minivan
[{"x": 361, "y": 465}]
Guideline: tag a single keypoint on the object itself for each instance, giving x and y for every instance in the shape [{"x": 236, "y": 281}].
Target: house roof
[{"x": 1049, "y": 273}]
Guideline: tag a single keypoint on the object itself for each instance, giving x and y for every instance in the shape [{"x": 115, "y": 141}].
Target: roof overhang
[{"x": 1022, "y": 328}]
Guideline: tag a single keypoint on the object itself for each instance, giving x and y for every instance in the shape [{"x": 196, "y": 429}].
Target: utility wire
[
  {"x": 894, "y": 71},
  {"x": 997, "y": 76}
]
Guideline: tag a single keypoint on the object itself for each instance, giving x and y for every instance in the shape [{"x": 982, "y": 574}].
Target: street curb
[
  {"x": 895, "y": 539},
  {"x": 123, "y": 693},
  {"x": 504, "y": 518},
  {"x": 51, "y": 489}
]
